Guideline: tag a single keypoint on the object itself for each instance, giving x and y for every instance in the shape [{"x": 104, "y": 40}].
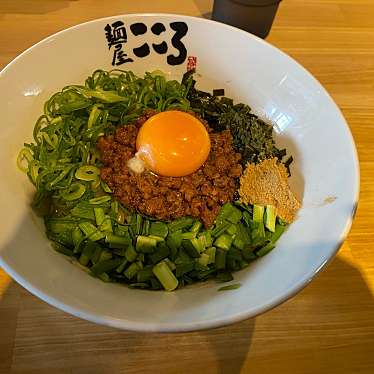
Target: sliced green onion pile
[
  {"x": 149, "y": 254},
  {"x": 62, "y": 162}
]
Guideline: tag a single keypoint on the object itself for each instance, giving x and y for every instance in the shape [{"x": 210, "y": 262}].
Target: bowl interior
[{"x": 306, "y": 120}]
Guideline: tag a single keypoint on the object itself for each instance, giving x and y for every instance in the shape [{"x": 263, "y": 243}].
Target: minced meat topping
[{"x": 199, "y": 194}]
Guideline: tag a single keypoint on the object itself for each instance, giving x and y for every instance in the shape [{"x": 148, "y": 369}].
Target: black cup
[{"x": 254, "y": 16}]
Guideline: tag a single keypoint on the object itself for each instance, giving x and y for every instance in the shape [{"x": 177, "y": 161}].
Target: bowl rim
[{"x": 222, "y": 321}]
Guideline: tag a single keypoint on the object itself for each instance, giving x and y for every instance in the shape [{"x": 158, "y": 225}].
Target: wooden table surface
[{"x": 327, "y": 328}]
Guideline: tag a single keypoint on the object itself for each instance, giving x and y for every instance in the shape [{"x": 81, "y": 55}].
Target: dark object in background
[{"x": 254, "y": 16}]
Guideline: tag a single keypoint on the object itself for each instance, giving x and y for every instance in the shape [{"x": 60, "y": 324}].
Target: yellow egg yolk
[{"x": 173, "y": 143}]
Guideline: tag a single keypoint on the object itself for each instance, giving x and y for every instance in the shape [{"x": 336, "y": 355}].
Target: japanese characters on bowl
[{"x": 117, "y": 34}]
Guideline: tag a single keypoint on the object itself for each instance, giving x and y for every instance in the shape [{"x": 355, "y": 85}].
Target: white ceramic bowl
[{"x": 307, "y": 121}]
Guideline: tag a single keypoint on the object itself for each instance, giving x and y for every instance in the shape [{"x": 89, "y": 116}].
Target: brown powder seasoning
[{"x": 266, "y": 184}]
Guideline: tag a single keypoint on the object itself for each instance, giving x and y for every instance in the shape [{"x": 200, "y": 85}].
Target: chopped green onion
[
  {"x": 224, "y": 212},
  {"x": 196, "y": 227},
  {"x": 114, "y": 207},
  {"x": 159, "y": 229},
  {"x": 24, "y": 155},
  {"x": 190, "y": 249},
  {"x": 145, "y": 244},
  {"x": 183, "y": 257},
  {"x": 96, "y": 255},
  {"x": 99, "y": 200},
  {"x": 121, "y": 241},
  {"x": 91, "y": 231},
  {"x": 249, "y": 255},
  {"x": 139, "y": 222},
  {"x": 78, "y": 245},
  {"x": 118, "y": 251},
  {"x": 157, "y": 238},
  {"x": 122, "y": 266},
  {"x": 62, "y": 249},
  {"x": 121, "y": 216},
  {"x": 156, "y": 72},
  {"x": 144, "y": 275},
  {"x": 265, "y": 250},
  {"x": 203, "y": 260},
  {"x": 105, "y": 266},
  {"x": 74, "y": 192},
  {"x": 211, "y": 252},
  {"x": 230, "y": 213},
  {"x": 281, "y": 222},
  {"x": 106, "y": 96},
  {"x": 220, "y": 229},
  {"x": 121, "y": 230},
  {"x": 230, "y": 287},
  {"x": 242, "y": 233},
  {"x": 104, "y": 277},
  {"x": 76, "y": 236},
  {"x": 132, "y": 270},
  {"x": 235, "y": 254},
  {"x": 279, "y": 230},
  {"x": 105, "y": 255},
  {"x": 180, "y": 224},
  {"x": 270, "y": 218},
  {"x": 83, "y": 211},
  {"x": 224, "y": 242},
  {"x": 106, "y": 188},
  {"x": 224, "y": 276},
  {"x": 188, "y": 235},
  {"x": 238, "y": 243},
  {"x": 99, "y": 215},
  {"x": 87, "y": 253},
  {"x": 235, "y": 215},
  {"x": 59, "y": 225},
  {"x": 184, "y": 268},
  {"x": 247, "y": 219},
  {"x": 258, "y": 213},
  {"x": 106, "y": 225},
  {"x": 165, "y": 276},
  {"x": 258, "y": 232},
  {"x": 174, "y": 240},
  {"x": 232, "y": 229},
  {"x": 139, "y": 286},
  {"x": 220, "y": 260},
  {"x": 146, "y": 227},
  {"x": 95, "y": 184},
  {"x": 169, "y": 263},
  {"x": 198, "y": 244},
  {"x": 160, "y": 253},
  {"x": 34, "y": 168},
  {"x": 94, "y": 114},
  {"x": 131, "y": 254},
  {"x": 206, "y": 238},
  {"x": 87, "y": 173}
]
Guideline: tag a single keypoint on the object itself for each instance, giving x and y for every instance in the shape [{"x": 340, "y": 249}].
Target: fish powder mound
[{"x": 267, "y": 184}]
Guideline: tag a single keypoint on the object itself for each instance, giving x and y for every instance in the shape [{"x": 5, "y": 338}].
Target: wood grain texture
[{"x": 327, "y": 328}]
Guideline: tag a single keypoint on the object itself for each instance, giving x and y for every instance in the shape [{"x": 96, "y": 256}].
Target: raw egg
[{"x": 173, "y": 143}]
